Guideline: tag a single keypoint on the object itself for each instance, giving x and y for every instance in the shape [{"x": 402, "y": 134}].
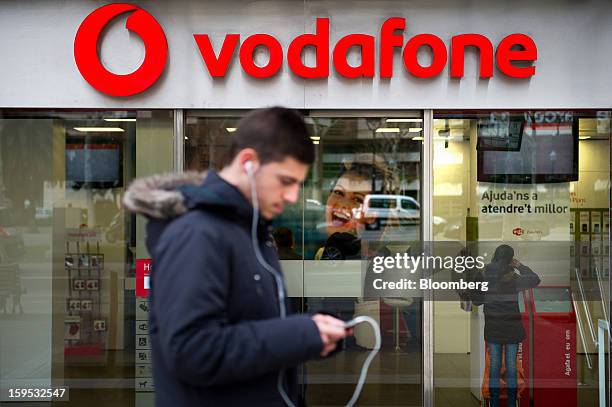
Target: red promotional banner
[{"x": 143, "y": 271}]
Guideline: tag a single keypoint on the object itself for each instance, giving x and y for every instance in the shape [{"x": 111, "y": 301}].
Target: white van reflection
[{"x": 394, "y": 210}]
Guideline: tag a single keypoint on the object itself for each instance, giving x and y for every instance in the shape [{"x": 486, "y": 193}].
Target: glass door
[
  {"x": 535, "y": 184},
  {"x": 362, "y": 199}
]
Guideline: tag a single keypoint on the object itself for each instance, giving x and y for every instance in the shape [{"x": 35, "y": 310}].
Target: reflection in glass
[
  {"x": 553, "y": 165},
  {"x": 364, "y": 192},
  {"x": 323, "y": 239},
  {"x": 67, "y": 249}
]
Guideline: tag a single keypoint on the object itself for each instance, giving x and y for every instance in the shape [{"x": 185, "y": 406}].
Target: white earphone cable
[{"x": 282, "y": 306}]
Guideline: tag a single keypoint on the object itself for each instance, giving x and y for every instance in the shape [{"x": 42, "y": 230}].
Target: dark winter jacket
[
  {"x": 501, "y": 309},
  {"x": 216, "y": 335}
]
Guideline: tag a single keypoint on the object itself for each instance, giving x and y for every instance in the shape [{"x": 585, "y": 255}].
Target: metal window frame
[
  {"x": 427, "y": 236},
  {"x": 179, "y": 140}
]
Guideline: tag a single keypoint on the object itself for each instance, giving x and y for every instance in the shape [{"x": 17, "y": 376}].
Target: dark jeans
[
  {"x": 495, "y": 357},
  {"x": 412, "y": 318}
]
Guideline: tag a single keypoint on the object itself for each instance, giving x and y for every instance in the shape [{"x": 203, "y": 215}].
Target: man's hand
[
  {"x": 515, "y": 263},
  {"x": 331, "y": 330}
]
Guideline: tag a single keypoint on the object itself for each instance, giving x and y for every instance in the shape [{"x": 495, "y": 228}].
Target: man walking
[{"x": 220, "y": 331}]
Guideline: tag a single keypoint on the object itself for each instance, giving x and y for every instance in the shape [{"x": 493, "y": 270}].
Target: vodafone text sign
[
  {"x": 513, "y": 48},
  {"x": 391, "y": 38}
]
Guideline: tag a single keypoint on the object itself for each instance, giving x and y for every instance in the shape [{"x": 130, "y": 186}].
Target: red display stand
[{"x": 554, "y": 347}]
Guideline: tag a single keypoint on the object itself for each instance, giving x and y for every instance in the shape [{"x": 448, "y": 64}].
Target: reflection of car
[
  {"x": 43, "y": 213},
  {"x": 395, "y": 210},
  {"x": 391, "y": 209}
]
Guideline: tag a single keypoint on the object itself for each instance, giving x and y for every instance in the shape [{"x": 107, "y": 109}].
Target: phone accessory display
[
  {"x": 85, "y": 329},
  {"x": 590, "y": 242}
]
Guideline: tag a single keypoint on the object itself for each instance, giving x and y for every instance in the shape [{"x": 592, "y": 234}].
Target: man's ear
[{"x": 248, "y": 160}]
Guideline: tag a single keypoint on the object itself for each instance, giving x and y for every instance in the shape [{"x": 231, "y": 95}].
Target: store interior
[{"x": 68, "y": 249}]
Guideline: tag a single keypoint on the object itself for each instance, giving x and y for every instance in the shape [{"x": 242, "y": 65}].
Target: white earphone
[{"x": 248, "y": 167}]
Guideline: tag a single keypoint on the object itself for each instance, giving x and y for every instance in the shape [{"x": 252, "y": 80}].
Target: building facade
[{"x": 459, "y": 125}]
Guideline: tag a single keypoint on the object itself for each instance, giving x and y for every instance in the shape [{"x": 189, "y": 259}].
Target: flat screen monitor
[
  {"x": 500, "y": 135},
  {"x": 94, "y": 164},
  {"x": 530, "y": 152}
]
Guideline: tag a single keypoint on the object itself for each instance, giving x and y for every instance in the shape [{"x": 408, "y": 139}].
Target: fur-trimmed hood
[
  {"x": 167, "y": 196},
  {"x": 160, "y": 196},
  {"x": 163, "y": 198}
]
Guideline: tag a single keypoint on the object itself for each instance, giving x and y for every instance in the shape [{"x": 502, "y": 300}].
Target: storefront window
[
  {"x": 362, "y": 196},
  {"x": 68, "y": 249},
  {"x": 538, "y": 182}
]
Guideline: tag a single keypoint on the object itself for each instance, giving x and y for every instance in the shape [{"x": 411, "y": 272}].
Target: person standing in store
[
  {"x": 220, "y": 330},
  {"x": 503, "y": 325}
]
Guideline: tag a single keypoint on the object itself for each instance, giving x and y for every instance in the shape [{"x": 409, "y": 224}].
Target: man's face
[{"x": 278, "y": 184}]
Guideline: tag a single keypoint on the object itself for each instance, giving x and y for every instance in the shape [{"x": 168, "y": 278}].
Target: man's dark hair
[{"x": 275, "y": 133}]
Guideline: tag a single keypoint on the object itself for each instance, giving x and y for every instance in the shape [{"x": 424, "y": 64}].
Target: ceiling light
[
  {"x": 404, "y": 120},
  {"x": 415, "y": 129},
  {"x": 315, "y": 142},
  {"x": 186, "y": 138},
  {"x": 584, "y": 137},
  {"x": 231, "y": 129},
  {"x": 119, "y": 120},
  {"x": 100, "y": 129},
  {"x": 388, "y": 130},
  {"x": 315, "y": 138},
  {"x": 418, "y": 138}
]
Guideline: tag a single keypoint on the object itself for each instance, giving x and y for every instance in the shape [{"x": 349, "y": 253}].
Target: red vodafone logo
[
  {"x": 517, "y": 231},
  {"x": 88, "y": 61}
]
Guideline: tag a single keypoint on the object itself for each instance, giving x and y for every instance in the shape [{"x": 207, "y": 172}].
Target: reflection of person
[
  {"x": 343, "y": 210},
  {"x": 285, "y": 244},
  {"x": 503, "y": 326},
  {"x": 345, "y": 226},
  {"x": 216, "y": 335},
  {"x": 345, "y": 200}
]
